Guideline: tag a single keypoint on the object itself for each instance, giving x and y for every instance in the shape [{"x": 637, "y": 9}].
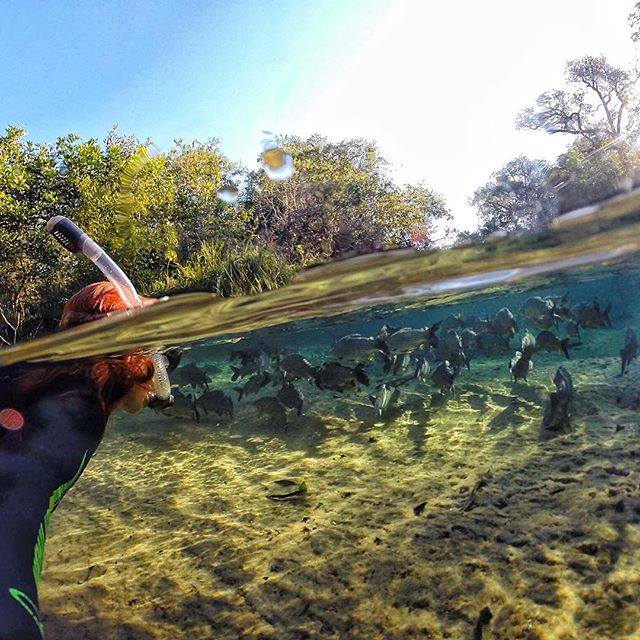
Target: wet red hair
[{"x": 112, "y": 377}]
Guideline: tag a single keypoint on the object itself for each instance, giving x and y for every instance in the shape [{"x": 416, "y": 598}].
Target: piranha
[
  {"x": 186, "y": 404},
  {"x": 557, "y": 414},
  {"x": 451, "y": 350},
  {"x": 573, "y": 329},
  {"x": 218, "y": 402},
  {"x": 397, "y": 363},
  {"x": 357, "y": 348},
  {"x": 296, "y": 367},
  {"x": 453, "y": 321},
  {"x": 254, "y": 384},
  {"x": 337, "y": 377},
  {"x": 258, "y": 363},
  {"x": 504, "y": 324},
  {"x": 591, "y": 316},
  {"x": 422, "y": 370},
  {"x": 561, "y": 305},
  {"x": 481, "y": 326},
  {"x": 191, "y": 374},
  {"x": 630, "y": 350},
  {"x": 540, "y": 312},
  {"x": 520, "y": 365},
  {"x": 386, "y": 330},
  {"x": 471, "y": 341},
  {"x": 548, "y": 341},
  {"x": 291, "y": 397},
  {"x": 384, "y": 398},
  {"x": 272, "y": 408},
  {"x": 443, "y": 377},
  {"x": 408, "y": 340}
]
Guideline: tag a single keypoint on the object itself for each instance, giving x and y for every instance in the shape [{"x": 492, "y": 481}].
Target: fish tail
[
  {"x": 564, "y": 345},
  {"x": 382, "y": 345}
]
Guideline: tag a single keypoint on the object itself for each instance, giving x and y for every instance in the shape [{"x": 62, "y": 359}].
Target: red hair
[{"x": 112, "y": 377}]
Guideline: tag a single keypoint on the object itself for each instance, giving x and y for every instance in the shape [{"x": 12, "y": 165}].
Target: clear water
[{"x": 413, "y": 522}]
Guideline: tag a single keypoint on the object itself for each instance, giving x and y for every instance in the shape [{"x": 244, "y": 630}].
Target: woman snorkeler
[{"x": 52, "y": 419}]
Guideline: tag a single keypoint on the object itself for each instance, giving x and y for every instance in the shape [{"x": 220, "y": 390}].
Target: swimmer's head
[
  {"x": 124, "y": 382},
  {"x": 95, "y": 301}
]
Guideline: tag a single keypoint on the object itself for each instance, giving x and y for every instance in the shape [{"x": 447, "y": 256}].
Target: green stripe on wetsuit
[{"x": 38, "y": 553}]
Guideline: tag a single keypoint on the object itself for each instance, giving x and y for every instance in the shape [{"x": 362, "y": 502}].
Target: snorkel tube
[{"x": 75, "y": 240}]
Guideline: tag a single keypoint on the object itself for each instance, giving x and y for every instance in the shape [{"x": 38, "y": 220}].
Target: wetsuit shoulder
[{"x": 39, "y": 462}]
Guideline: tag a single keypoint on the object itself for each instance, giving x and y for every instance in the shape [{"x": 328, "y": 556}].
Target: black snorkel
[{"x": 75, "y": 240}]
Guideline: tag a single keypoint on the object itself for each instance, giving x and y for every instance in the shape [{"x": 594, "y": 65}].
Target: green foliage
[
  {"x": 340, "y": 199},
  {"x": 159, "y": 217},
  {"x": 229, "y": 271},
  {"x": 581, "y": 177},
  {"x": 518, "y": 198}
]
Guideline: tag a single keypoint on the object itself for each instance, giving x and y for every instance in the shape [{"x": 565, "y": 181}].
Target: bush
[{"x": 228, "y": 271}]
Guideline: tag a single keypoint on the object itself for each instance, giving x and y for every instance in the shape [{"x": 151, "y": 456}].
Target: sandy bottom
[{"x": 169, "y": 533}]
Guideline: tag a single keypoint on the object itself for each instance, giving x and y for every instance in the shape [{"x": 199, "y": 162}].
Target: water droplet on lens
[
  {"x": 273, "y": 158},
  {"x": 228, "y": 193},
  {"x": 282, "y": 172},
  {"x": 278, "y": 165}
]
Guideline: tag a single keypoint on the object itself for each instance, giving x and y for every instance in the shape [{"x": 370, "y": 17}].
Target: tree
[
  {"x": 143, "y": 209},
  {"x": 581, "y": 177},
  {"x": 634, "y": 22},
  {"x": 340, "y": 199},
  {"x": 599, "y": 109},
  {"x": 30, "y": 185},
  {"x": 599, "y": 105},
  {"x": 517, "y": 198},
  {"x": 198, "y": 171}
]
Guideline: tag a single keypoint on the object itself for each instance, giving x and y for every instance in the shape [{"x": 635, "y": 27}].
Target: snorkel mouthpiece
[
  {"x": 158, "y": 403},
  {"x": 75, "y": 240},
  {"x": 67, "y": 233}
]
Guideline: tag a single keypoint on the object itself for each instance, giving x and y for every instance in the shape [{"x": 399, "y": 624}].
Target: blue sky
[
  {"x": 437, "y": 84},
  {"x": 194, "y": 70}
]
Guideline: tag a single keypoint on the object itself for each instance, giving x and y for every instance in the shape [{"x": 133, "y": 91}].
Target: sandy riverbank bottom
[{"x": 169, "y": 533}]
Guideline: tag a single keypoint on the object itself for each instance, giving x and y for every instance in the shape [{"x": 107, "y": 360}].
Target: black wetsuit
[{"x": 39, "y": 462}]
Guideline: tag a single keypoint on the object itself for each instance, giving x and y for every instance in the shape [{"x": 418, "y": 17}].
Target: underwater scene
[{"x": 461, "y": 466}]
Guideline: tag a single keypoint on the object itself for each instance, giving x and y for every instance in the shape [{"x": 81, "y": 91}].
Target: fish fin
[
  {"x": 382, "y": 345},
  {"x": 239, "y": 391},
  {"x": 606, "y": 314},
  {"x": 564, "y": 344},
  {"x": 236, "y": 373}
]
